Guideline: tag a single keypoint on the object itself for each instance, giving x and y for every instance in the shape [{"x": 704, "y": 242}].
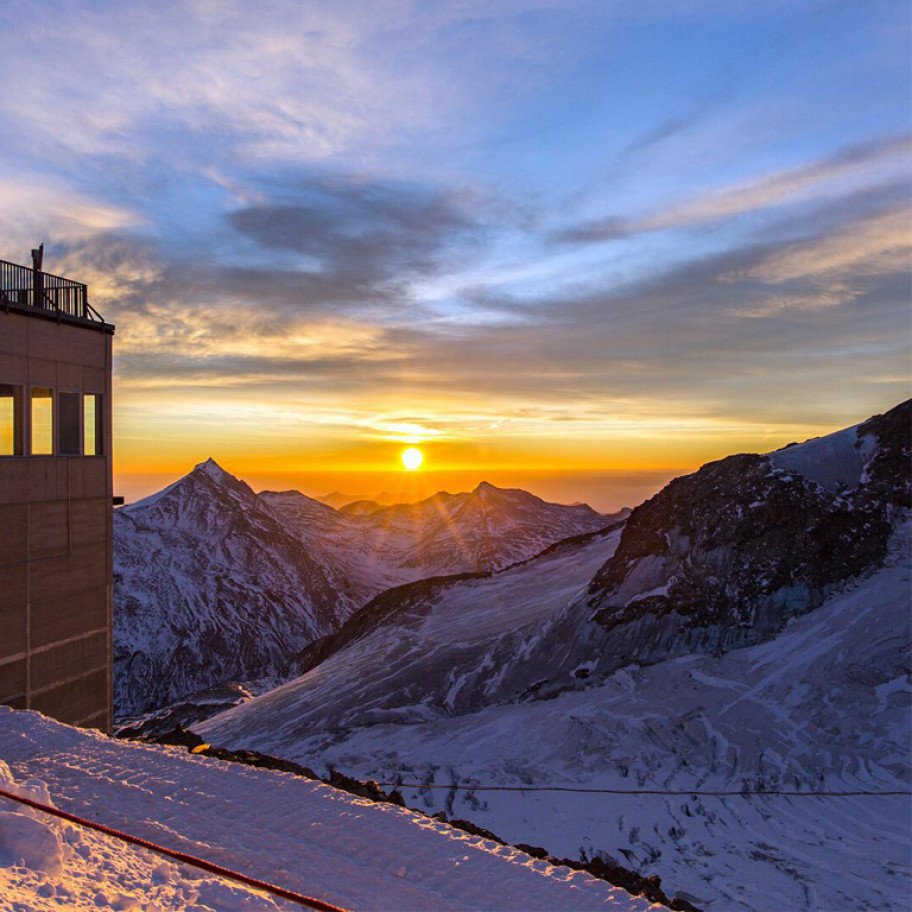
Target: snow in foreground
[{"x": 299, "y": 834}]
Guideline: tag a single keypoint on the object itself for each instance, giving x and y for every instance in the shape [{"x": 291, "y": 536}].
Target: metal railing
[{"x": 21, "y": 286}]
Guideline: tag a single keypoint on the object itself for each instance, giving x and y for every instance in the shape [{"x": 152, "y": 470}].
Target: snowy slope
[
  {"x": 437, "y": 654},
  {"x": 824, "y": 706},
  {"x": 300, "y": 834},
  {"x": 214, "y": 582}
]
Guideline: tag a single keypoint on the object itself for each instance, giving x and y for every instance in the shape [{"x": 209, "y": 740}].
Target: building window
[
  {"x": 42, "y": 422},
  {"x": 10, "y": 420},
  {"x": 68, "y": 424},
  {"x": 91, "y": 423}
]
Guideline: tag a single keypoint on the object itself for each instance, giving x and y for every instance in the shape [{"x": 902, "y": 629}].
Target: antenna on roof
[{"x": 38, "y": 277}]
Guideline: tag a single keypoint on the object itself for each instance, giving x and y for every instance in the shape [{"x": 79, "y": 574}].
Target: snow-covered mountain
[
  {"x": 214, "y": 582},
  {"x": 287, "y": 831},
  {"x": 485, "y": 529},
  {"x": 209, "y": 585},
  {"x": 748, "y": 628}
]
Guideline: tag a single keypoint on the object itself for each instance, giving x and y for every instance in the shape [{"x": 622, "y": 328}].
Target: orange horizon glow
[
  {"x": 624, "y": 455},
  {"x": 604, "y": 491},
  {"x": 370, "y": 468},
  {"x": 651, "y": 450}
]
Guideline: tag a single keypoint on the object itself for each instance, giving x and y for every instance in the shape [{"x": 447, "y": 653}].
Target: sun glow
[{"x": 412, "y": 458}]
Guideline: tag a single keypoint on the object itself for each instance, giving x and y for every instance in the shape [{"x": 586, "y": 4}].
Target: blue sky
[{"x": 573, "y": 234}]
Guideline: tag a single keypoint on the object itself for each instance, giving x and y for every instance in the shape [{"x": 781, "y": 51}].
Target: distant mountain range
[
  {"x": 337, "y": 500},
  {"x": 746, "y": 629},
  {"x": 215, "y": 583}
]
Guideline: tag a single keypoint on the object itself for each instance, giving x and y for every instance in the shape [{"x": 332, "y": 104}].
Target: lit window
[
  {"x": 42, "y": 422},
  {"x": 68, "y": 424},
  {"x": 10, "y": 420},
  {"x": 91, "y": 423}
]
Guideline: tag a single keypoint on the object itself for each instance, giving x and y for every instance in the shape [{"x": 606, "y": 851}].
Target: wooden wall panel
[
  {"x": 68, "y": 660},
  {"x": 74, "y": 701}
]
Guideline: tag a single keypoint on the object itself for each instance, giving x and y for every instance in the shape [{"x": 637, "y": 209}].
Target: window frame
[
  {"x": 53, "y": 419},
  {"x": 76, "y": 432},
  {"x": 99, "y": 424},
  {"x": 18, "y": 435}
]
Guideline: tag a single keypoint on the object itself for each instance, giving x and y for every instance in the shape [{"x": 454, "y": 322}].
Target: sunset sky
[{"x": 575, "y": 246}]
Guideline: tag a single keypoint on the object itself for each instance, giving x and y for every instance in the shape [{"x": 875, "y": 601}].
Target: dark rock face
[
  {"x": 743, "y": 543},
  {"x": 888, "y": 475},
  {"x": 739, "y": 542}
]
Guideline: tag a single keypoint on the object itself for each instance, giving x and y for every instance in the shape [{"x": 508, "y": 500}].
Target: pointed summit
[
  {"x": 211, "y": 473},
  {"x": 211, "y": 468},
  {"x": 214, "y": 472},
  {"x": 485, "y": 488}
]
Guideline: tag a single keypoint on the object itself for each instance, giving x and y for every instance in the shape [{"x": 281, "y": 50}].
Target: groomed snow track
[{"x": 309, "y": 902}]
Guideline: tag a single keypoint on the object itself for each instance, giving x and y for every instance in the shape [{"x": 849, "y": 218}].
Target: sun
[{"x": 412, "y": 458}]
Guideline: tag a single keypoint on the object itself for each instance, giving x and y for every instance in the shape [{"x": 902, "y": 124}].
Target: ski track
[{"x": 297, "y": 833}]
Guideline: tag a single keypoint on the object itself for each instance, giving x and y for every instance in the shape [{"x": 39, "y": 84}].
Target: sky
[{"x": 575, "y": 246}]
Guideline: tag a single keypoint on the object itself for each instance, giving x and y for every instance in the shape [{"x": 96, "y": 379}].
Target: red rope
[{"x": 209, "y": 866}]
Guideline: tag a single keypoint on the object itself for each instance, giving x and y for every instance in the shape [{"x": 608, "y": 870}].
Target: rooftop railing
[{"x": 21, "y": 286}]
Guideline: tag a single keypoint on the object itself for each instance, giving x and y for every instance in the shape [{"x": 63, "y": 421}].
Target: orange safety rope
[{"x": 213, "y": 868}]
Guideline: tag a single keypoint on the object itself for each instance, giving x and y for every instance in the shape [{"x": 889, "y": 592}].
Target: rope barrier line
[
  {"x": 670, "y": 792},
  {"x": 213, "y": 868}
]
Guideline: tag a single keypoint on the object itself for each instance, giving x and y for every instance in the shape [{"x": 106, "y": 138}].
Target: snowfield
[
  {"x": 289, "y": 831},
  {"x": 435, "y": 658},
  {"x": 825, "y": 706}
]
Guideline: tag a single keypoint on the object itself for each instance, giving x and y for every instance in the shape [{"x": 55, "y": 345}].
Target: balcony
[{"x": 25, "y": 288}]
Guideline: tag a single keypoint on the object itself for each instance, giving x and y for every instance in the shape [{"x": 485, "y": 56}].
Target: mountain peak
[
  {"x": 485, "y": 487},
  {"x": 211, "y": 468},
  {"x": 211, "y": 473}
]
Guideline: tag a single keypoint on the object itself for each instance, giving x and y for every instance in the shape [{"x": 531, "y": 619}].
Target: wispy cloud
[
  {"x": 287, "y": 83},
  {"x": 870, "y": 162},
  {"x": 740, "y": 330},
  {"x": 875, "y": 245},
  {"x": 29, "y": 205}
]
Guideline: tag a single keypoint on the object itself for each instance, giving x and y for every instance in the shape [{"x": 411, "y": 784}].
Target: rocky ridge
[{"x": 726, "y": 556}]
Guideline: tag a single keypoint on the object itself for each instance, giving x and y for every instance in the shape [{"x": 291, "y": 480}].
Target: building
[{"x": 56, "y": 536}]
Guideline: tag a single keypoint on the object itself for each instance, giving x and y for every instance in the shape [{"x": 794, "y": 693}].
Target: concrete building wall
[{"x": 56, "y": 530}]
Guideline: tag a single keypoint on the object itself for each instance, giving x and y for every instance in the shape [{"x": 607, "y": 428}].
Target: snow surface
[
  {"x": 289, "y": 831},
  {"x": 835, "y": 462},
  {"x": 823, "y": 706},
  {"x": 438, "y": 658}
]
